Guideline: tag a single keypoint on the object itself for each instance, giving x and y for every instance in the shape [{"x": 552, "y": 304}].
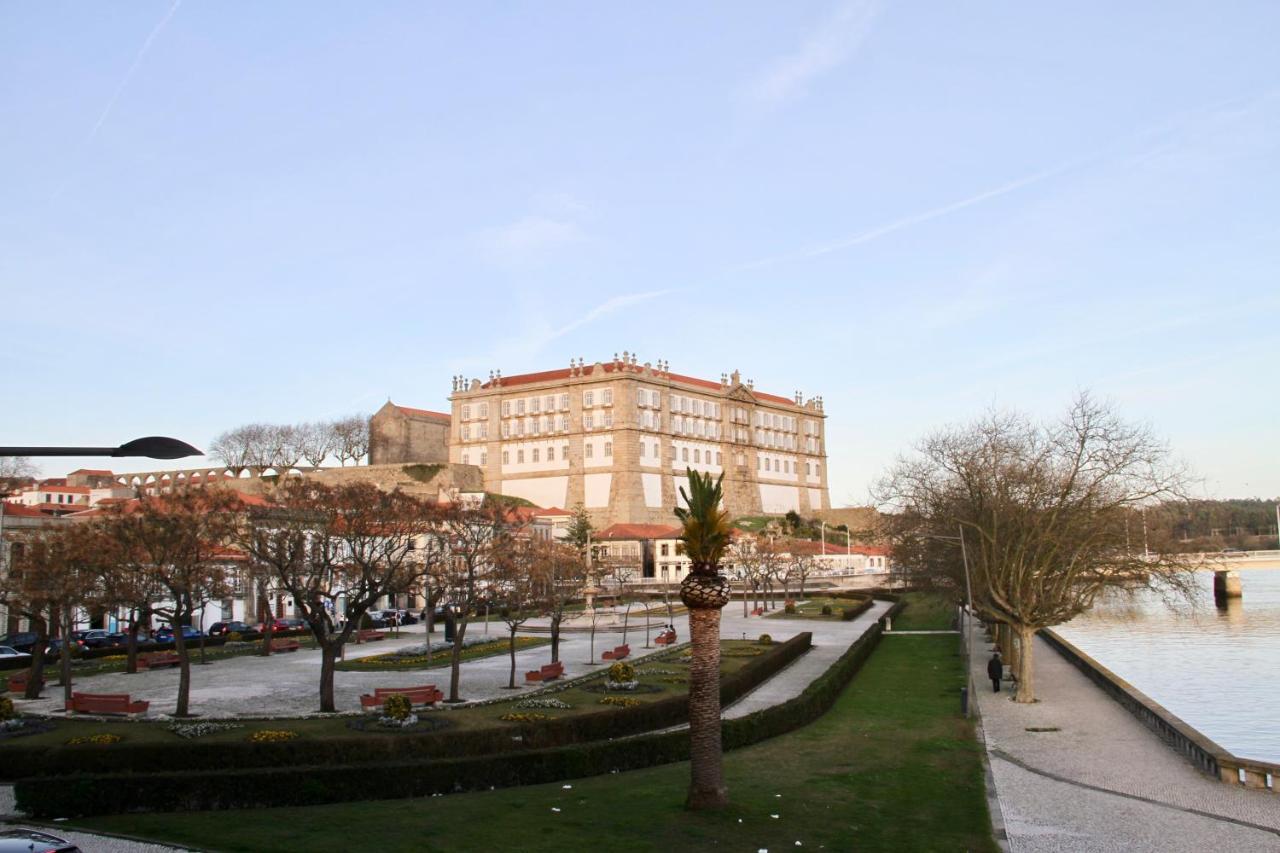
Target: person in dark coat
[{"x": 995, "y": 671}]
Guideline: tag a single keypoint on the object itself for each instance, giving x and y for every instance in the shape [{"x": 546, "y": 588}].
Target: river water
[{"x": 1217, "y": 669}]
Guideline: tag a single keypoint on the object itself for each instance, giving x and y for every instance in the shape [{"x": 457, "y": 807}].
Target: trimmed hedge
[
  {"x": 302, "y": 785},
  {"x": 380, "y": 749},
  {"x": 848, "y": 614}
]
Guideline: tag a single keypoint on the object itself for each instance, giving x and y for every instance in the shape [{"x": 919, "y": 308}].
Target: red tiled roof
[
  {"x": 555, "y": 510},
  {"x": 54, "y": 481},
  {"x": 609, "y": 367},
  {"x": 19, "y": 509},
  {"x": 75, "y": 490},
  {"x": 639, "y": 531},
  {"x": 808, "y": 546},
  {"x": 92, "y": 472},
  {"x": 423, "y": 413}
]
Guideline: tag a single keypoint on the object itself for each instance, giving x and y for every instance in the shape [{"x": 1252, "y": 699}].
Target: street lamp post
[{"x": 152, "y": 447}]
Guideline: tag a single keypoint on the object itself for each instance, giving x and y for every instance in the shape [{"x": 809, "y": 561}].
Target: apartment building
[{"x": 618, "y": 436}]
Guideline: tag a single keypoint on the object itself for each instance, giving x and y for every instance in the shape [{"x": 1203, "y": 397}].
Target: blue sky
[{"x": 222, "y": 212}]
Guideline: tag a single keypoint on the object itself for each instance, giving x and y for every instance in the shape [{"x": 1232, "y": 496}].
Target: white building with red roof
[{"x": 617, "y": 437}]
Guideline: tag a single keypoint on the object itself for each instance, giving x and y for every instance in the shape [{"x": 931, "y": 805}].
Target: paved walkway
[{"x": 1103, "y": 781}]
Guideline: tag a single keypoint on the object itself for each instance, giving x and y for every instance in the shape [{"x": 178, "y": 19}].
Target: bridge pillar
[{"x": 1226, "y": 585}]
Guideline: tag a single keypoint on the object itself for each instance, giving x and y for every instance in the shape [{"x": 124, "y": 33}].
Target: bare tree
[
  {"x": 513, "y": 583},
  {"x": 351, "y": 438},
  {"x": 41, "y": 584},
  {"x": 236, "y": 448},
  {"x": 15, "y": 471},
  {"x": 333, "y": 546},
  {"x": 181, "y": 538},
  {"x": 315, "y": 442},
  {"x": 561, "y": 575},
  {"x": 1043, "y": 510},
  {"x": 470, "y": 536},
  {"x": 804, "y": 565}
]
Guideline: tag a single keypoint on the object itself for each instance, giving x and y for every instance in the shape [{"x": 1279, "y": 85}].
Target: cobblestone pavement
[
  {"x": 1103, "y": 781},
  {"x": 90, "y": 843}
]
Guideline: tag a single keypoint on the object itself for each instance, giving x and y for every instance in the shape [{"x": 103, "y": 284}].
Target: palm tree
[{"x": 704, "y": 591}]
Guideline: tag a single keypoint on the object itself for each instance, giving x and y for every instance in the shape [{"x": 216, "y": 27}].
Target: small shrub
[
  {"x": 524, "y": 718},
  {"x": 80, "y": 740},
  {"x": 620, "y": 701},
  {"x": 558, "y": 704},
  {"x": 789, "y": 607},
  {"x": 397, "y": 707},
  {"x": 6, "y": 709},
  {"x": 765, "y": 640},
  {"x": 272, "y": 736},
  {"x": 235, "y": 637},
  {"x": 190, "y": 731},
  {"x": 826, "y": 610},
  {"x": 622, "y": 673}
]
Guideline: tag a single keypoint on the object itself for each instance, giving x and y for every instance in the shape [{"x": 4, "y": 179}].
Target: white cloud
[{"x": 826, "y": 48}]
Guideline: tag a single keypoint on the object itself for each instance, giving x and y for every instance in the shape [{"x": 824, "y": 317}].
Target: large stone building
[
  {"x": 617, "y": 437},
  {"x": 399, "y": 434}
]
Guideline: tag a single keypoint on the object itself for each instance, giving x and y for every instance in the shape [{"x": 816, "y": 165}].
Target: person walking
[{"x": 995, "y": 671}]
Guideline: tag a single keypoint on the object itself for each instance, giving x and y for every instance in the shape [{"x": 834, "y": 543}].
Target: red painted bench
[
  {"x": 618, "y": 653},
  {"x": 759, "y": 611},
  {"x": 286, "y": 644},
  {"x": 151, "y": 660},
  {"x": 106, "y": 703},
  {"x": 18, "y": 681},
  {"x": 427, "y": 694},
  {"x": 549, "y": 672},
  {"x": 368, "y": 635},
  {"x": 666, "y": 638}
]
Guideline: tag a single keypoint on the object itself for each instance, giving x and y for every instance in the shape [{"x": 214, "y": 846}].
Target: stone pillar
[{"x": 1226, "y": 585}]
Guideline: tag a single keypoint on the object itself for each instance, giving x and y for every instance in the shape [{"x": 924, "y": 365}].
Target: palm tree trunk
[{"x": 706, "y": 787}]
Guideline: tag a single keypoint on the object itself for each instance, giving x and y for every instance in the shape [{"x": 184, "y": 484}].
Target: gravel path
[{"x": 1103, "y": 781}]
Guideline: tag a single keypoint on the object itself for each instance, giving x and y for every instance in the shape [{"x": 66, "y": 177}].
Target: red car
[{"x": 285, "y": 624}]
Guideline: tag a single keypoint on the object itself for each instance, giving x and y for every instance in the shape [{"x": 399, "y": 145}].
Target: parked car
[
  {"x": 97, "y": 638},
  {"x": 8, "y": 654},
  {"x": 221, "y": 629},
  {"x": 285, "y": 623},
  {"x": 164, "y": 634},
  {"x": 28, "y": 840},
  {"x": 55, "y": 646},
  {"x": 22, "y": 641}
]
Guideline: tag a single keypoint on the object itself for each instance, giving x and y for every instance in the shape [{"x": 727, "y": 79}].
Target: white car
[{"x": 8, "y": 653}]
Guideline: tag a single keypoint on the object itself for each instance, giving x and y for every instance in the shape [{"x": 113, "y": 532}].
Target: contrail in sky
[
  {"x": 907, "y": 221},
  {"x": 128, "y": 75}
]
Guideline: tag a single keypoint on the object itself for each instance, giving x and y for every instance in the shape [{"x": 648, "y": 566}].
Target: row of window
[
  {"x": 535, "y": 454},
  {"x": 533, "y": 405},
  {"x": 680, "y": 455},
  {"x": 481, "y": 410},
  {"x": 775, "y": 421}
]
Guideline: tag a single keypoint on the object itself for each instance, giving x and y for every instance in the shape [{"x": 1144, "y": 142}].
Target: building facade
[
  {"x": 401, "y": 435},
  {"x": 617, "y": 437}
]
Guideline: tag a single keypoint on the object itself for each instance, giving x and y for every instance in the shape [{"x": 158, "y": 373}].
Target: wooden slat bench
[
  {"x": 285, "y": 644},
  {"x": 759, "y": 611},
  {"x": 368, "y": 635},
  {"x": 549, "y": 672},
  {"x": 106, "y": 703},
  {"x": 18, "y": 681},
  {"x": 666, "y": 638},
  {"x": 427, "y": 694},
  {"x": 618, "y": 653},
  {"x": 151, "y": 660}
]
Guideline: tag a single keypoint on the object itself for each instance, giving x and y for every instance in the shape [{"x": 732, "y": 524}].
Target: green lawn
[
  {"x": 812, "y": 609},
  {"x": 441, "y": 655},
  {"x": 926, "y": 611},
  {"x": 893, "y": 766}
]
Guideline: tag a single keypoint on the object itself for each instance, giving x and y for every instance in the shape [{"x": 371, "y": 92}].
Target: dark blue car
[{"x": 165, "y": 634}]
